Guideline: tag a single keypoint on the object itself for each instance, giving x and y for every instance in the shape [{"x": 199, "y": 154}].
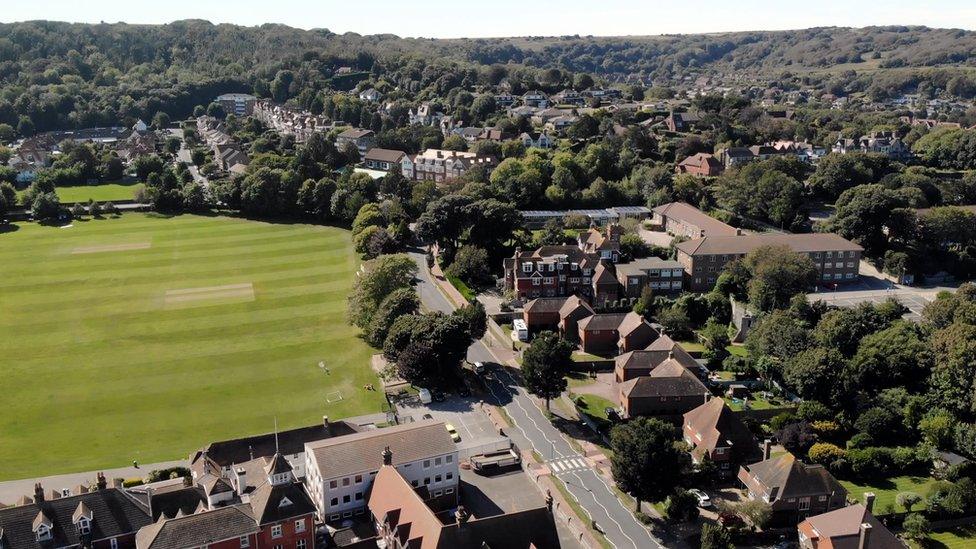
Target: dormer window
[
  {"x": 43, "y": 533},
  {"x": 84, "y": 526}
]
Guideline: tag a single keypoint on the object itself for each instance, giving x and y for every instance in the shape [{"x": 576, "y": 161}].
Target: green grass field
[
  {"x": 963, "y": 537},
  {"x": 144, "y": 337},
  {"x": 887, "y": 491},
  {"x": 98, "y": 193}
]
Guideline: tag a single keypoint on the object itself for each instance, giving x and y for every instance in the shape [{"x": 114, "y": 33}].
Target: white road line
[
  {"x": 556, "y": 465},
  {"x": 515, "y": 395},
  {"x": 577, "y": 463},
  {"x": 624, "y": 507},
  {"x": 607, "y": 511}
]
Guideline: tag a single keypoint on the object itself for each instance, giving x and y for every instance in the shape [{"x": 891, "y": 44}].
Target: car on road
[
  {"x": 479, "y": 368},
  {"x": 451, "y": 430},
  {"x": 612, "y": 413},
  {"x": 703, "y": 499}
]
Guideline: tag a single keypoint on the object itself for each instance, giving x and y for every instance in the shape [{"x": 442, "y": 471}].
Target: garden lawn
[
  {"x": 99, "y": 193},
  {"x": 144, "y": 337},
  {"x": 886, "y": 491},
  {"x": 963, "y": 537}
]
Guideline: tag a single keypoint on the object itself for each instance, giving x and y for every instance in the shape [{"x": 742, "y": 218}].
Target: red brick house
[
  {"x": 641, "y": 362},
  {"x": 670, "y": 390},
  {"x": 700, "y": 165},
  {"x": 715, "y": 434},
  {"x": 555, "y": 313},
  {"x": 852, "y": 527},
  {"x": 552, "y": 271},
  {"x": 606, "y": 243},
  {"x": 615, "y": 333},
  {"x": 794, "y": 490}
]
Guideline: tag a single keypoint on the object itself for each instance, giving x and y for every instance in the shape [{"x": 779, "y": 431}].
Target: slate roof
[
  {"x": 362, "y": 452},
  {"x": 198, "y": 530},
  {"x": 274, "y": 503},
  {"x": 743, "y": 244},
  {"x": 789, "y": 478},
  {"x": 113, "y": 514},
  {"x": 671, "y": 381},
  {"x": 384, "y": 155}
]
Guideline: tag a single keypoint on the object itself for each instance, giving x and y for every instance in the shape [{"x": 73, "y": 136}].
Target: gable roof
[
  {"x": 701, "y": 159},
  {"x": 112, "y": 514},
  {"x": 549, "y": 304},
  {"x": 688, "y": 214},
  {"x": 602, "y": 321},
  {"x": 842, "y": 527},
  {"x": 717, "y": 425},
  {"x": 394, "y": 502},
  {"x": 198, "y": 530},
  {"x": 274, "y": 503},
  {"x": 671, "y": 382},
  {"x": 384, "y": 155},
  {"x": 362, "y": 452}
]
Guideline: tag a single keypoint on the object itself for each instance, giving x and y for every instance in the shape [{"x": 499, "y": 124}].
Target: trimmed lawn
[
  {"x": 886, "y": 491},
  {"x": 737, "y": 350},
  {"x": 466, "y": 292},
  {"x": 144, "y": 337},
  {"x": 98, "y": 193},
  {"x": 593, "y": 405},
  {"x": 755, "y": 404},
  {"x": 692, "y": 347},
  {"x": 963, "y": 537}
]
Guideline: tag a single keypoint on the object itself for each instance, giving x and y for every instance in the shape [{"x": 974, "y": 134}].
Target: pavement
[
  {"x": 532, "y": 429},
  {"x": 12, "y": 490}
]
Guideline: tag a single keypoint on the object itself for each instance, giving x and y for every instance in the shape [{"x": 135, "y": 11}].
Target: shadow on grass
[{"x": 9, "y": 228}]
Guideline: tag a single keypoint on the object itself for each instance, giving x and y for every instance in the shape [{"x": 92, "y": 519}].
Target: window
[
  {"x": 345, "y": 481},
  {"x": 276, "y": 531},
  {"x": 804, "y": 504},
  {"x": 359, "y": 479},
  {"x": 300, "y": 526},
  {"x": 335, "y": 501},
  {"x": 829, "y": 254},
  {"x": 333, "y": 484},
  {"x": 84, "y": 527},
  {"x": 449, "y": 476},
  {"x": 527, "y": 268},
  {"x": 437, "y": 478},
  {"x": 449, "y": 491},
  {"x": 414, "y": 483},
  {"x": 300, "y": 544},
  {"x": 536, "y": 281},
  {"x": 359, "y": 496},
  {"x": 43, "y": 533},
  {"x": 245, "y": 542},
  {"x": 426, "y": 464},
  {"x": 334, "y": 517},
  {"x": 449, "y": 459},
  {"x": 574, "y": 280},
  {"x": 437, "y": 461},
  {"x": 346, "y": 498},
  {"x": 850, "y": 264},
  {"x": 427, "y": 481},
  {"x": 114, "y": 543},
  {"x": 438, "y": 493},
  {"x": 822, "y": 498},
  {"x": 850, "y": 253},
  {"x": 548, "y": 280},
  {"x": 826, "y": 276},
  {"x": 850, "y": 275}
]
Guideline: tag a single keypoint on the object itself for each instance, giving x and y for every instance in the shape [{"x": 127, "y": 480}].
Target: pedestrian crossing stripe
[{"x": 567, "y": 464}]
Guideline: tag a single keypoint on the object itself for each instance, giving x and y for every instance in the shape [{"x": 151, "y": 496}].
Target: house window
[
  {"x": 449, "y": 491},
  {"x": 346, "y": 498},
  {"x": 334, "y": 517},
  {"x": 84, "y": 526},
  {"x": 426, "y": 464},
  {"x": 114, "y": 543},
  {"x": 804, "y": 504},
  {"x": 300, "y": 525},
  {"x": 333, "y": 484},
  {"x": 527, "y": 268},
  {"x": 276, "y": 531},
  {"x": 822, "y": 498},
  {"x": 548, "y": 280},
  {"x": 359, "y": 496},
  {"x": 345, "y": 481},
  {"x": 438, "y": 493},
  {"x": 414, "y": 483},
  {"x": 427, "y": 481},
  {"x": 43, "y": 533},
  {"x": 300, "y": 544},
  {"x": 536, "y": 281},
  {"x": 335, "y": 501},
  {"x": 449, "y": 459},
  {"x": 245, "y": 542},
  {"x": 437, "y": 461},
  {"x": 449, "y": 476},
  {"x": 359, "y": 479},
  {"x": 437, "y": 478}
]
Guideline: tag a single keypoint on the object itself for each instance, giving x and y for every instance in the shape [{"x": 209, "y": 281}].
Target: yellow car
[{"x": 453, "y": 432}]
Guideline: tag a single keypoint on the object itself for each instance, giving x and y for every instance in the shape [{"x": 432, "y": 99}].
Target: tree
[
  {"x": 816, "y": 374},
  {"x": 45, "y": 206},
  {"x": 778, "y": 335},
  {"x": 77, "y": 210},
  {"x": 908, "y": 500},
  {"x": 797, "y": 437},
  {"x": 470, "y": 264},
  {"x": 777, "y": 273},
  {"x": 634, "y": 247},
  {"x": 401, "y": 302},
  {"x": 825, "y": 453},
  {"x": 160, "y": 120},
  {"x": 680, "y": 506},
  {"x": 646, "y": 463},
  {"x": 916, "y": 527},
  {"x": 715, "y": 536},
  {"x": 758, "y": 512},
  {"x": 545, "y": 365},
  {"x": 475, "y": 316},
  {"x": 380, "y": 277},
  {"x": 94, "y": 209},
  {"x": 428, "y": 348}
]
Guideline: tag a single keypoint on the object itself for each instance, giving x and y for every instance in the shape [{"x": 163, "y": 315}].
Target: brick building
[
  {"x": 671, "y": 389},
  {"x": 715, "y": 434}
]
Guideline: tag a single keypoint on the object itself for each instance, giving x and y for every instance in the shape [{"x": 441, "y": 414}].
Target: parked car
[
  {"x": 424, "y": 396},
  {"x": 703, "y": 499},
  {"x": 479, "y": 368},
  {"x": 612, "y": 413},
  {"x": 453, "y": 432}
]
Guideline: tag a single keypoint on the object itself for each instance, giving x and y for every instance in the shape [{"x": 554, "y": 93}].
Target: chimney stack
[
  {"x": 240, "y": 478},
  {"x": 865, "y": 536},
  {"x": 100, "y": 481},
  {"x": 117, "y": 483},
  {"x": 766, "y": 449},
  {"x": 38, "y": 492},
  {"x": 738, "y": 232},
  {"x": 461, "y": 515},
  {"x": 387, "y": 456},
  {"x": 325, "y": 422},
  {"x": 869, "y": 501}
]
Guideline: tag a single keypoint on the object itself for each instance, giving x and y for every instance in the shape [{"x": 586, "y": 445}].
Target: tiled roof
[
  {"x": 384, "y": 155},
  {"x": 198, "y": 530},
  {"x": 743, "y": 244},
  {"x": 679, "y": 382},
  {"x": 843, "y": 528},
  {"x": 113, "y": 514},
  {"x": 792, "y": 478},
  {"x": 549, "y": 304},
  {"x": 717, "y": 425},
  {"x": 602, "y": 321},
  {"x": 274, "y": 503},
  {"x": 364, "y": 451},
  {"x": 227, "y": 452},
  {"x": 691, "y": 215}
]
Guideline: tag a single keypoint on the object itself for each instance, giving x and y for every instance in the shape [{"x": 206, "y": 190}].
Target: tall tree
[
  {"x": 647, "y": 462},
  {"x": 545, "y": 365}
]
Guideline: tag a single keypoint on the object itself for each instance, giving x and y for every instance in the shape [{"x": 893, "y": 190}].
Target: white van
[
  {"x": 519, "y": 330},
  {"x": 424, "y": 396}
]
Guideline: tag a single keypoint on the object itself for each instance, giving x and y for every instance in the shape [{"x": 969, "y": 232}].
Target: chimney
[
  {"x": 869, "y": 501},
  {"x": 250, "y": 450},
  {"x": 38, "y": 492},
  {"x": 240, "y": 477},
  {"x": 865, "y": 536},
  {"x": 766, "y": 448},
  {"x": 738, "y": 232},
  {"x": 100, "y": 481},
  {"x": 117, "y": 483},
  {"x": 325, "y": 423},
  {"x": 387, "y": 456},
  {"x": 671, "y": 354},
  {"x": 701, "y": 233},
  {"x": 461, "y": 515}
]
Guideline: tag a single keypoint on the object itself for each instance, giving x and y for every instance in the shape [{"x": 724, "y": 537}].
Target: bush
[
  {"x": 130, "y": 482},
  {"x": 871, "y": 463},
  {"x": 470, "y": 264},
  {"x": 77, "y": 211},
  {"x": 813, "y": 411},
  {"x": 916, "y": 527},
  {"x": 908, "y": 500},
  {"x": 681, "y": 506},
  {"x": 825, "y": 453}
]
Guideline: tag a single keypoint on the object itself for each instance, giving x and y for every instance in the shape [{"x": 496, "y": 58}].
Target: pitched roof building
[
  {"x": 681, "y": 219},
  {"x": 670, "y": 389},
  {"x": 642, "y": 361},
  {"x": 852, "y": 527},
  {"x": 700, "y": 165},
  {"x": 793, "y": 489},
  {"x": 717, "y": 435}
]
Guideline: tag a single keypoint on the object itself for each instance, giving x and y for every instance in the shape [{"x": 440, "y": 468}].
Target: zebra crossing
[{"x": 565, "y": 465}]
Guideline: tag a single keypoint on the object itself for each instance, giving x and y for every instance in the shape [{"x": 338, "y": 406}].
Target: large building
[
  {"x": 671, "y": 389},
  {"x": 795, "y": 490},
  {"x": 440, "y": 165},
  {"x": 552, "y": 271},
  {"x": 239, "y": 104},
  {"x": 852, "y": 527},
  {"x": 340, "y": 471},
  {"x": 687, "y": 221},
  {"x": 703, "y": 259}
]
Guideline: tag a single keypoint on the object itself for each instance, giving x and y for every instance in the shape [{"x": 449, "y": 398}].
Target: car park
[{"x": 451, "y": 430}]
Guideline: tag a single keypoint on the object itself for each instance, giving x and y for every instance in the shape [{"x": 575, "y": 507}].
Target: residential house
[
  {"x": 660, "y": 275},
  {"x": 363, "y": 140},
  {"x": 385, "y": 160},
  {"x": 795, "y": 490},
  {"x": 852, "y": 527},
  {"x": 685, "y": 220},
  {"x": 370, "y": 95},
  {"x": 552, "y": 271},
  {"x": 538, "y": 140},
  {"x": 700, "y": 165},
  {"x": 289, "y": 121},
  {"x": 605, "y": 243},
  {"x": 403, "y": 520},
  {"x": 671, "y": 389},
  {"x": 549, "y": 313},
  {"x": 238, "y": 104},
  {"x": 505, "y": 100},
  {"x": 887, "y": 143},
  {"x": 535, "y": 98},
  {"x": 836, "y": 258},
  {"x": 103, "y": 518},
  {"x": 543, "y": 116},
  {"x": 559, "y": 124},
  {"x": 219, "y": 458},
  {"x": 340, "y": 471},
  {"x": 642, "y": 362},
  {"x": 615, "y": 333},
  {"x": 441, "y": 165},
  {"x": 426, "y": 115},
  {"x": 715, "y": 433},
  {"x": 682, "y": 121},
  {"x": 569, "y": 97},
  {"x": 231, "y": 527}
]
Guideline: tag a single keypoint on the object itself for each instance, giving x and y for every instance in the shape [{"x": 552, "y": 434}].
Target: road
[
  {"x": 183, "y": 155},
  {"x": 594, "y": 495}
]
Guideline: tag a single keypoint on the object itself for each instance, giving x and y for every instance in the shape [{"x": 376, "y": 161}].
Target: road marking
[{"x": 607, "y": 511}]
